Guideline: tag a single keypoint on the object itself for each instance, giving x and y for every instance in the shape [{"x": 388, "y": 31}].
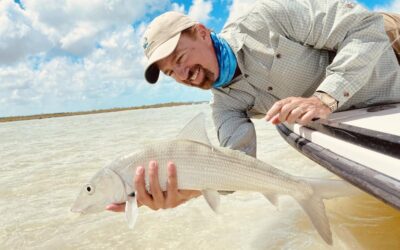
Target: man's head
[{"x": 180, "y": 48}]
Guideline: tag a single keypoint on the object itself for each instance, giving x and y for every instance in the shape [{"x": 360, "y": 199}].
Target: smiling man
[
  {"x": 192, "y": 61},
  {"x": 285, "y": 60}
]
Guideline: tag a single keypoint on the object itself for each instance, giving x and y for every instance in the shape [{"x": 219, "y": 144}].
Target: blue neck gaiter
[{"x": 226, "y": 61}]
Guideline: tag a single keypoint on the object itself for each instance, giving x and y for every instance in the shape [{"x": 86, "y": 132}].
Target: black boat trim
[
  {"x": 387, "y": 144},
  {"x": 377, "y": 184}
]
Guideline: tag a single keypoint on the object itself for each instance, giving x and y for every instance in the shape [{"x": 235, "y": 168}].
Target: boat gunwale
[{"x": 367, "y": 179}]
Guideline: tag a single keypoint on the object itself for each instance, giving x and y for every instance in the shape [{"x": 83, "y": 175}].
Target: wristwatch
[{"x": 326, "y": 99}]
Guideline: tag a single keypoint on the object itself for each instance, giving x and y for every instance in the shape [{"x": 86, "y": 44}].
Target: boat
[{"x": 361, "y": 146}]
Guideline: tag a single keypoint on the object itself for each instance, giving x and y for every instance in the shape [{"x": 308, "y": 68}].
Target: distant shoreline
[{"x": 46, "y": 116}]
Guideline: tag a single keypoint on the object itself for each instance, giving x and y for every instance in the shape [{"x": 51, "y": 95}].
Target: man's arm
[
  {"x": 355, "y": 34},
  {"x": 234, "y": 128}
]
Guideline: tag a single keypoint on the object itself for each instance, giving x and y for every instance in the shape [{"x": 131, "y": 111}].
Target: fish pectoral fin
[
  {"x": 131, "y": 211},
  {"x": 212, "y": 198},
  {"x": 272, "y": 197}
]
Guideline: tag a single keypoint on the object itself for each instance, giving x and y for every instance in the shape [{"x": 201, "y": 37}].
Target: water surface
[{"x": 43, "y": 164}]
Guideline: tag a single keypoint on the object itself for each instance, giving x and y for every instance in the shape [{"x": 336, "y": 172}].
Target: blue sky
[{"x": 74, "y": 55}]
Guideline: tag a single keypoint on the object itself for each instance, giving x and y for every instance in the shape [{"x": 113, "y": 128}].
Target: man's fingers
[
  {"x": 295, "y": 114},
  {"x": 306, "y": 118},
  {"x": 274, "y": 110},
  {"x": 286, "y": 110},
  {"x": 189, "y": 194},
  {"x": 314, "y": 112},
  {"x": 116, "y": 207},
  {"x": 297, "y": 109},
  {"x": 275, "y": 120},
  {"x": 170, "y": 198},
  {"x": 141, "y": 194},
  {"x": 173, "y": 196},
  {"x": 172, "y": 179},
  {"x": 158, "y": 197}
]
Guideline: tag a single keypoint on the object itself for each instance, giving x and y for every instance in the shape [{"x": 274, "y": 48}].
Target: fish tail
[
  {"x": 314, "y": 206},
  {"x": 315, "y": 209}
]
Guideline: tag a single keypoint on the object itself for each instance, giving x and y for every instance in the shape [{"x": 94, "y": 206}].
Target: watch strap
[{"x": 328, "y": 100}]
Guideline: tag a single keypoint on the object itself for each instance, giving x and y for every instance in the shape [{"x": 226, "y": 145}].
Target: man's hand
[
  {"x": 157, "y": 199},
  {"x": 297, "y": 109}
]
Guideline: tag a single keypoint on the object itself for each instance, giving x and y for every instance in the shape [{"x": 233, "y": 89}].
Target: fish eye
[{"x": 89, "y": 189}]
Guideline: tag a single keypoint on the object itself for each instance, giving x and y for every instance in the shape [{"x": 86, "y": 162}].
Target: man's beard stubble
[{"x": 209, "y": 79}]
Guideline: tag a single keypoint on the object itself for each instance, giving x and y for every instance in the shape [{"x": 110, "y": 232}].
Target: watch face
[{"x": 327, "y": 100}]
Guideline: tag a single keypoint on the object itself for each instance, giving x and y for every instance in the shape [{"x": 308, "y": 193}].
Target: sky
[{"x": 73, "y": 55}]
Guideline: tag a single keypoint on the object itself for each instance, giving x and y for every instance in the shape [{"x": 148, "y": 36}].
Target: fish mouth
[
  {"x": 77, "y": 210},
  {"x": 86, "y": 210}
]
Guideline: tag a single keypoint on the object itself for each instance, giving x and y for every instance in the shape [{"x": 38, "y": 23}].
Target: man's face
[{"x": 193, "y": 61}]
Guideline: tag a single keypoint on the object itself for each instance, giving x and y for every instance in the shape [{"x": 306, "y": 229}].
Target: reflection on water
[{"x": 44, "y": 162}]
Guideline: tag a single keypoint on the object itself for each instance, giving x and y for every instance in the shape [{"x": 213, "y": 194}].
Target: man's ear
[{"x": 202, "y": 31}]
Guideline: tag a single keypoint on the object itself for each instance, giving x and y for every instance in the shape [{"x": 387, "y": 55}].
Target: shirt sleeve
[
  {"x": 356, "y": 35},
  {"x": 234, "y": 128}
]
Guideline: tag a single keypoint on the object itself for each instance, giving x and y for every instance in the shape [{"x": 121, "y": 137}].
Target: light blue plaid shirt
[{"x": 283, "y": 49}]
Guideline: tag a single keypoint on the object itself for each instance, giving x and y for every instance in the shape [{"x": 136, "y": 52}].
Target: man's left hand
[{"x": 297, "y": 109}]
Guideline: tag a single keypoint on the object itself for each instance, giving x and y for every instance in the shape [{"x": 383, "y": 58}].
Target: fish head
[{"x": 104, "y": 188}]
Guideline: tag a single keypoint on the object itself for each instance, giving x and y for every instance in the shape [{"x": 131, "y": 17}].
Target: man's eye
[{"x": 179, "y": 59}]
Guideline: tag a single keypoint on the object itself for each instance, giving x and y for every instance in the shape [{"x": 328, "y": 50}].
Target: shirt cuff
[{"x": 337, "y": 87}]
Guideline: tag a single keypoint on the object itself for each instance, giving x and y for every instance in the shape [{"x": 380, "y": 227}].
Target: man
[{"x": 287, "y": 60}]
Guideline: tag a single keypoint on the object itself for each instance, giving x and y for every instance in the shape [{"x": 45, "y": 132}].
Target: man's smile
[{"x": 194, "y": 73}]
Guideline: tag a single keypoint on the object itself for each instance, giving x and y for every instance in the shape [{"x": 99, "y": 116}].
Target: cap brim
[{"x": 152, "y": 71}]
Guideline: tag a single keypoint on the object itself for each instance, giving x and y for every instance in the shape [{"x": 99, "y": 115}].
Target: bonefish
[{"x": 202, "y": 166}]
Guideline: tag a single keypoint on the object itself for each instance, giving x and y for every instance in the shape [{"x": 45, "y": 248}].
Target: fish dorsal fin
[{"x": 195, "y": 130}]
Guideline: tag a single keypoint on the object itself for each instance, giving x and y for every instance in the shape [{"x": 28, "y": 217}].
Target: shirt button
[
  {"x": 270, "y": 88},
  {"x": 346, "y": 94},
  {"x": 278, "y": 55},
  {"x": 246, "y": 75}
]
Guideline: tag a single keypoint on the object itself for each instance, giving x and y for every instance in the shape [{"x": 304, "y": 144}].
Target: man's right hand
[{"x": 157, "y": 199}]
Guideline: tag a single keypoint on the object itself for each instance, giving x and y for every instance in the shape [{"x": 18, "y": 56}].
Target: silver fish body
[{"x": 201, "y": 166}]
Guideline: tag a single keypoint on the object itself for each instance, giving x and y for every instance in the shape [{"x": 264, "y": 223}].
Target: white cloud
[
  {"x": 18, "y": 38},
  {"x": 77, "y": 25},
  {"x": 200, "y": 10},
  {"x": 107, "y": 71},
  {"x": 394, "y": 6},
  {"x": 238, "y": 8},
  {"x": 80, "y": 39},
  {"x": 178, "y": 8},
  {"x": 44, "y": 82}
]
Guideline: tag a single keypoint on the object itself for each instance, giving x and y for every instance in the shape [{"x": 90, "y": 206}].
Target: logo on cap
[{"x": 145, "y": 43}]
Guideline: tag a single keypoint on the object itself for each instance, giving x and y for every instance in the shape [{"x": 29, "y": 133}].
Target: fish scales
[
  {"x": 220, "y": 170},
  {"x": 201, "y": 166}
]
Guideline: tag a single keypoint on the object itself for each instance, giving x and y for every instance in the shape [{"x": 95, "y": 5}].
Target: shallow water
[{"x": 44, "y": 162}]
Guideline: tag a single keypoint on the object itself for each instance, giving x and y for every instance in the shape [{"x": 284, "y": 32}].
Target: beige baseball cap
[{"x": 160, "y": 39}]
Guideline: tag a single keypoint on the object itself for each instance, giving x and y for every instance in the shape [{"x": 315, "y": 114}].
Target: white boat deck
[{"x": 387, "y": 121}]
